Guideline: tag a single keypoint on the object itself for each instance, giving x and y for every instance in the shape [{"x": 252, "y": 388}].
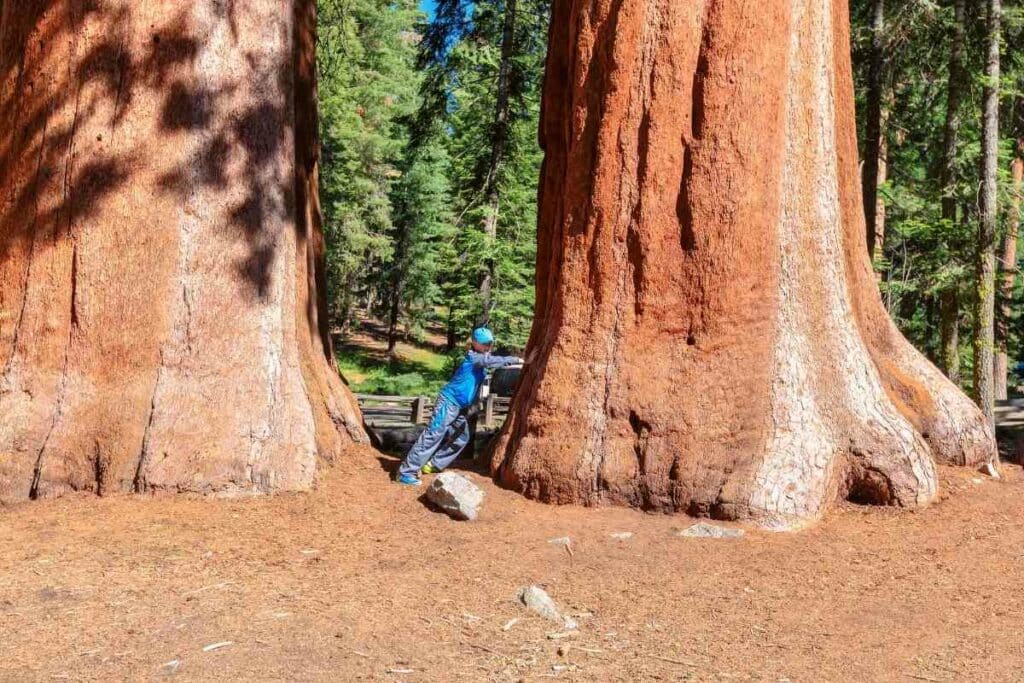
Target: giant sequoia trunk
[
  {"x": 709, "y": 336},
  {"x": 160, "y": 252}
]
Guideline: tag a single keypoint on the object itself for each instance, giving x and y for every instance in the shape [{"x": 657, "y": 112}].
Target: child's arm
[{"x": 486, "y": 360}]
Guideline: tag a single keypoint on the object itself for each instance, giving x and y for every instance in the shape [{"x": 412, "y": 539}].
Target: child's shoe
[
  {"x": 430, "y": 469},
  {"x": 408, "y": 480}
]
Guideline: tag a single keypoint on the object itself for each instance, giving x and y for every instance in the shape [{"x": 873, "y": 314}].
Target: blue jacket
[{"x": 465, "y": 384}]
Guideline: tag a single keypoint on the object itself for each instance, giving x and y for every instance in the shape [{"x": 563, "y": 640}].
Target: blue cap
[{"x": 482, "y": 335}]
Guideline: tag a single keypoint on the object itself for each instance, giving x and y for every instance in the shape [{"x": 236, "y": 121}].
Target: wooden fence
[{"x": 405, "y": 411}]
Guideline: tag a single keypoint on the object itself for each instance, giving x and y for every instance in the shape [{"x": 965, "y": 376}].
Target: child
[{"x": 448, "y": 431}]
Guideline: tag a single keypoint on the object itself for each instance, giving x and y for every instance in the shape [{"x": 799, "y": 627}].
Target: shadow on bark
[{"x": 238, "y": 150}]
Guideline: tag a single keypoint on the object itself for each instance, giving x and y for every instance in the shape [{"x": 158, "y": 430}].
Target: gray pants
[{"x": 442, "y": 440}]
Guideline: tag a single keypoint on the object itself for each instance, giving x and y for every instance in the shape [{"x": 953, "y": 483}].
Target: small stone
[
  {"x": 622, "y": 535},
  {"x": 216, "y": 646},
  {"x": 705, "y": 530},
  {"x": 536, "y": 599},
  {"x": 456, "y": 495},
  {"x": 563, "y": 540}
]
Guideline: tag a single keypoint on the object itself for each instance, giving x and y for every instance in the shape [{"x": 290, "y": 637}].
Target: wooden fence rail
[{"x": 405, "y": 411}]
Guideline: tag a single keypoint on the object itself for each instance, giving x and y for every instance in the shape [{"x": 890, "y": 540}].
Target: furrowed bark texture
[
  {"x": 709, "y": 336},
  {"x": 160, "y": 251}
]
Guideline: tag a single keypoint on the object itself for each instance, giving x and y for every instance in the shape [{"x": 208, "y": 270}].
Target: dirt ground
[{"x": 360, "y": 581}]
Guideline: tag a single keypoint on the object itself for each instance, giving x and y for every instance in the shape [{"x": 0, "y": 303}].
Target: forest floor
[{"x": 360, "y": 581}]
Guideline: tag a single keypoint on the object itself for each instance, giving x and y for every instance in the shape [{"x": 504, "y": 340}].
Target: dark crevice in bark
[
  {"x": 641, "y": 437},
  {"x": 121, "y": 68},
  {"x": 634, "y": 246},
  {"x": 699, "y": 76},
  {"x": 684, "y": 208},
  {"x": 636, "y": 262},
  {"x": 598, "y": 76},
  {"x": 138, "y": 483},
  {"x": 99, "y": 469},
  {"x": 684, "y": 211},
  {"x": 32, "y": 250},
  {"x": 74, "y": 287}
]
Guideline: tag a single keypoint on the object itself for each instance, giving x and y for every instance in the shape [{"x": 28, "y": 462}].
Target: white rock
[
  {"x": 536, "y": 599},
  {"x": 456, "y": 495},
  {"x": 563, "y": 540},
  {"x": 622, "y": 535},
  {"x": 706, "y": 530}
]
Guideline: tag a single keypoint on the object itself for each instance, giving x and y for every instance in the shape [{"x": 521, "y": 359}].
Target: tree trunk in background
[
  {"x": 452, "y": 337},
  {"x": 871, "y": 171},
  {"x": 396, "y": 287},
  {"x": 393, "y": 311},
  {"x": 1009, "y": 265},
  {"x": 160, "y": 322},
  {"x": 950, "y": 300},
  {"x": 501, "y": 132},
  {"x": 709, "y": 335},
  {"x": 1008, "y": 273},
  {"x": 878, "y": 249},
  {"x": 985, "y": 285},
  {"x": 949, "y": 330}
]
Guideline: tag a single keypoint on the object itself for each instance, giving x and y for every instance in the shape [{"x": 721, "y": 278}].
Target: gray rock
[
  {"x": 537, "y": 600},
  {"x": 706, "y": 530},
  {"x": 456, "y": 495}
]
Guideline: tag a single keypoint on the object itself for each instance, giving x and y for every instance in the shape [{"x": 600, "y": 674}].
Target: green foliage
[
  {"x": 924, "y": 254},
  {"x": 467, "y": 72},
  {"x": 408, "y": 128},
  {"x": 367, "y": 83}
]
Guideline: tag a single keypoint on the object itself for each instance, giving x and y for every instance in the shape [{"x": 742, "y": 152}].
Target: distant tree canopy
[
  {"x": 408, "y": 111},
  {"x": 927, "y": 257}
]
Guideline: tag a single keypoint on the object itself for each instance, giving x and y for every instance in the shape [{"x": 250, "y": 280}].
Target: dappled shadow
[{"x": 68, "y": 70}]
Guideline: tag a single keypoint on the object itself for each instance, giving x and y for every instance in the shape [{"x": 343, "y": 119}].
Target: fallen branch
[{"x": 680, "y": 662}]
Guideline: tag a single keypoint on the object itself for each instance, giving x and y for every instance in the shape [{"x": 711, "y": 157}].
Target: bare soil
[{"x": 361, "y": 581}]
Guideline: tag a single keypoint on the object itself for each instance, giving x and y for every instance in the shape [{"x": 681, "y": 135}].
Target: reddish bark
[
  {"x": 1008, "y": 270},
  {"x": 160, "y": 252},
  {"x": 709, "y": 335}
]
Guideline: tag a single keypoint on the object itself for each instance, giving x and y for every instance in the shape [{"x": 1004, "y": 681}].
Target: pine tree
[
  {"x": 483, "y": 66},
  {"x": 368, "y": 85},
  {"x": 422, "y": 227}
]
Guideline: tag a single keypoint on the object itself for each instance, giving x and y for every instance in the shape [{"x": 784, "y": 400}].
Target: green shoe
[{"x": 430, "y": 469}]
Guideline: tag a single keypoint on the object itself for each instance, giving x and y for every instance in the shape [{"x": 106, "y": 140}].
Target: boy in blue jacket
[{"x": 448, "y": 431}]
